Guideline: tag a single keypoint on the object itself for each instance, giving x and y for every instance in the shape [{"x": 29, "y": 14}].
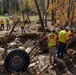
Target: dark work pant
[
  {"x": 2, "y": 26},
  {"x": 61, "y": 50}
]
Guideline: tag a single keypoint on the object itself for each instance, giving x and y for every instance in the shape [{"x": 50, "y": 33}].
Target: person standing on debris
[
  {"x": 62, "y": 42},
  {"x": 22, "y": 27},
  {"x": 70, "y": 33},
  {"x": 2, "y": 24},
  {"x": 7, "y": 23},
  {"x": 52, "y": 41},
  {"x": 71, "y": 36}
]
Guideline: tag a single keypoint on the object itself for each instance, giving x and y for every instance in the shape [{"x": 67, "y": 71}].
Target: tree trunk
[
  {"x": 43, "y": 9},
  {"x": 68, "y": 13},
  {"x": 53, "y": 13},
  {"x": 40, "y": 18},
  {"x": 73, "y": 8},
  {"x": 22, "y": 9},
  {"x": 0, "y": 9},
  {"x": 28, "y": 16},
  {"x": 46, "y": 13},
  {"x": 27, "y": 11}
]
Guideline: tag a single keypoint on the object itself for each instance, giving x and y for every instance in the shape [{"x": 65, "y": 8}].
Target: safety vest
[
  {"x": 7, "y": 21},
  {"x": 52, "y": 39},
  {"x": 2, "y": 22},
  {"x": 68, "y": 35},
  {"x": 22, "y": 24},
  {"x": 62, "y": 36}
]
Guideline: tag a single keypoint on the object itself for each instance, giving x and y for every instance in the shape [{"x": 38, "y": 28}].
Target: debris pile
[{"x": 34, "y": 43}]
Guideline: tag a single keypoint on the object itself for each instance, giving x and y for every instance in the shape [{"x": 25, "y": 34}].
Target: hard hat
[
  {"x": 68, "y": 28},
  {"x": 73, "y": 29},
  {"x": 53, "y": 29}
]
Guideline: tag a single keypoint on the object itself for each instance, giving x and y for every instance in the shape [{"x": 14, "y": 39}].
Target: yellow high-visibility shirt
[
  {"x": 67, "y": 34},
  {"x": 7, "y": 21},
  {"x": 2, "y": 22},
  {"x": 22, "y": 24},
  {"x": 51, "y": 39},
  {"x": 62, "y": 36}
]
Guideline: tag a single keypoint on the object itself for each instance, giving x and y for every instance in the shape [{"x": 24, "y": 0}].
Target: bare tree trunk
[
  {"x": 40, "y": 18},
  {"x": 68, "y": 12},
  {"x": 53, "y": 13},
  {"x": 46, "y": 13},
  {"x": 43, "y": 9},
  {"x": 22, "y": 9},
  {"x": 27, "y": 11},
  {"x": 0, "y": 9},
  {"x": 73, "y": 8},
  {"x": 28, "y": 16}
]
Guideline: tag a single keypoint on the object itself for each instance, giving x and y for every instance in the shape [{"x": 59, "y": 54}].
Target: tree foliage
[
  {"x": 65, "y": 11},
  {"x": 10, "y": 6}
]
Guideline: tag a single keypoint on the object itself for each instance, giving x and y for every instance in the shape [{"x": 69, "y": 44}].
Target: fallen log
[{"x": 29, "y": 35}]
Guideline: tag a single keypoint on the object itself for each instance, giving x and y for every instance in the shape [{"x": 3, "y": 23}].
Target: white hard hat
[
  {"x": 73, "y": 29},
  {"x": 53, "y": 29},
  {"x": 68, "y": 28}
]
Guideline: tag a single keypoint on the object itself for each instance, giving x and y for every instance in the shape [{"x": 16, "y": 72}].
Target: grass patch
[{"x": 33, "y": 18}]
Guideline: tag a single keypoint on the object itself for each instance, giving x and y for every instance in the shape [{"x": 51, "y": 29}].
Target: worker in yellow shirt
[
  {"x": 22, "y": 27},
  {"x": 71, "y": 37},
  {"x": 62, "y": 42},
  {"x": 52, "y": 41},
  {"x": 7, "y": 23},
  {"x": 2, "y": 24}
]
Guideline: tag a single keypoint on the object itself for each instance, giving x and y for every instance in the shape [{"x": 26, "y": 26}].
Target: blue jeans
[
  {"x": 23, "y": 30},
  {"x": 61, "y": 50}
]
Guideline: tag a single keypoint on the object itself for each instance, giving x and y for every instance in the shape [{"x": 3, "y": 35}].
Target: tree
[
  {"x": 48, "y": 2},
  {"x": 11, "y": 6},
  {"x": 0, "y": 7},
  {"x": 26, "y": 7},
  {"x": 53, "y": 12},
  {"x": 40, "y": 18}
]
